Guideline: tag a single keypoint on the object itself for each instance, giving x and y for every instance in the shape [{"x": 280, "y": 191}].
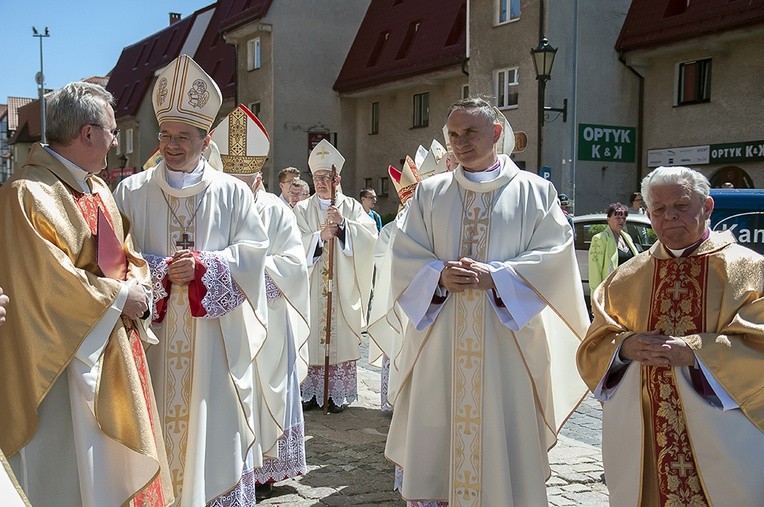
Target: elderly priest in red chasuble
[{"x": 676, "y": 352}]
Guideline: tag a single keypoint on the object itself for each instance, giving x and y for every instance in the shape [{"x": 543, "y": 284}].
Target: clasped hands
[
  {"x": 656, "y": 349},
  {"x": 332, "y": 226},
  {"x": 182, "y": 267},
  {"x": 466, "y": 274}
]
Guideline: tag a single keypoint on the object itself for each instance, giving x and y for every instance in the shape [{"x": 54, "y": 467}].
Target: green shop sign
[
  {"x": 606, "y": 143},
  {"x": 748, "y": 151}
]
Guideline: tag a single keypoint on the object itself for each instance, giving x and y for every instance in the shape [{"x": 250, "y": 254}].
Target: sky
[{"x": 86, "y": 38}]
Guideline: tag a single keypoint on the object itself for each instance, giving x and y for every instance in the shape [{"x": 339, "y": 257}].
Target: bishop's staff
[{"x": 329, "y": 296}]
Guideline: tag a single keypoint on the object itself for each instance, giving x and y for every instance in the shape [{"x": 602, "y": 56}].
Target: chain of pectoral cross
[{"x": 185, "y": 242}]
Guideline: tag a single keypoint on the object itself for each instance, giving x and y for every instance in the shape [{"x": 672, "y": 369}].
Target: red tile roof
[
  {"x": 216, "y": 56},
  {"x": 28, "y": 128},
  {"x": 255, "y": 9},
  {"x": 402, "y": 38},
  {"x": 14, "y": 103},
  {"x": 655, "y": 22},
  {"x": 133, "y": 75}
]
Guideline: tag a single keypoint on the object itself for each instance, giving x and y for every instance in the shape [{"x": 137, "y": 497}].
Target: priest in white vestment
[
  {"x": 484, "y": 268},
  {"x": 78, "y": 418},
  {"x": 206, "y": 245},
  {"x": 243, "y": 144},
  {"x": 353, "y": 233}
]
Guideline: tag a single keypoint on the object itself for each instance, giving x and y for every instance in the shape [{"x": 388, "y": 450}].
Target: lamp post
[
  {"x": 41, "y": 83},
  {"x": 543, "y": 60}
]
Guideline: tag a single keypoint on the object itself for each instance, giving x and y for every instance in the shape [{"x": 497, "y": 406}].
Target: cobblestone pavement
[{"x": 346, "y": 465}]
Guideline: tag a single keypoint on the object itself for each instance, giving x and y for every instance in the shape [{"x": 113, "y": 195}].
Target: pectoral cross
[{"x": 185, "y": 242}]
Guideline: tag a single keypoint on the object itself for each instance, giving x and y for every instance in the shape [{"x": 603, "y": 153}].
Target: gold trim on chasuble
[
  {"x": 677, "y": 308},
  {"x": 179, "y": 331},
  {"x": 467, "y": 362}
]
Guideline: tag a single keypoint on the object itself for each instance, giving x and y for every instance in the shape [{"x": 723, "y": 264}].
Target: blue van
[{"x": 742, "y": 212}]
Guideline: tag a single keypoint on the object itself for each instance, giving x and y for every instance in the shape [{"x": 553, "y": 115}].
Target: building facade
[
  {"x": 288, "y": 56},
  {"x": 703, "y": 76}
]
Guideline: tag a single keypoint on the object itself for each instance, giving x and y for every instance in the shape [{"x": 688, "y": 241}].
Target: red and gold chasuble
[
  {"x": 90, "y": 205},
  {"x": 677, "y": 308}
]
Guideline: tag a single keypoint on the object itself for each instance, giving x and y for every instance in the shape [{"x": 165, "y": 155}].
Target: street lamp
[
  {"x": 40, "y": 78},
  {"x": 543, "y": 59}
]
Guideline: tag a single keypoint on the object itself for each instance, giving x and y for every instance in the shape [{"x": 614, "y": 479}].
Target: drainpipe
[{"x": 640, "y": 115}]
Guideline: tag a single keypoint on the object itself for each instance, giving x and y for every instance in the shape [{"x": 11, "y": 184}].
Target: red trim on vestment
[{"x": 196, "y": 289}]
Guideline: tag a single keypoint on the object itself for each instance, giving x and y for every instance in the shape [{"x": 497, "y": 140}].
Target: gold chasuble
[
  {"x": 48, "y": 235},
  {"x": 692, "y": 452}
]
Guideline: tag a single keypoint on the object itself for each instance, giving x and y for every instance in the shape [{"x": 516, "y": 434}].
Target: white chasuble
[
  {"x": 215, "y": 405},
  {"x": 486, "y": 380},
  {"x": 286, "y": 278},
  {"x": 351, "y": 280}
]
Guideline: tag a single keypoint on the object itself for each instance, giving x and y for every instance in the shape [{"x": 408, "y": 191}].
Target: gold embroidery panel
[
  {"x": 467, "y": 366},
  {"x": 179, "y": 336}
]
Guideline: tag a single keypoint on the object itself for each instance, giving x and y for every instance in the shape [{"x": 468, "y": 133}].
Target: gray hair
[
  {"x": 482, "y": 107},
  {"x": 73, "y": 106},
  {"x": 689, "y": 178},
  {"x": 297, "y": 182}
]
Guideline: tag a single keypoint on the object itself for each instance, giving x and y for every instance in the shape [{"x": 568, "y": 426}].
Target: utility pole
[{"x": 40, "y": 78}]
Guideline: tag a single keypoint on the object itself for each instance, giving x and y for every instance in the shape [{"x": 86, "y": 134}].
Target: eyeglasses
[
  {"x": 321, "y": 178},
  {"x": 114, "y": 132},
  {"x": 166, "y": 138}
]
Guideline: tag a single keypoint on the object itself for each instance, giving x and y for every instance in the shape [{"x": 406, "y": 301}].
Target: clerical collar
[
  {"x": 686, "y": 252},
  {"x": 79, "y": 174},
  {"x": 323, "y": 204},
  {"x": 489, "y": 174},
  {"x": 180, "y": 180}
]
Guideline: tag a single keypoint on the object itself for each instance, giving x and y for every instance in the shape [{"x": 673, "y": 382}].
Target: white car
[{"x": 586, "y": 226}]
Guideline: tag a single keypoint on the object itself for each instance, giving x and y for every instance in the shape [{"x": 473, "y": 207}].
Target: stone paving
[{"x": 346, "y": 465}]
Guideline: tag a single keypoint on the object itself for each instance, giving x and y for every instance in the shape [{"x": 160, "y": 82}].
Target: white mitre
[
  {"x": 439, "y": 154},
  {"x": 421, "y": 152},
  {"x": 506, "y": 143},
  {"x": 324, "y": 156},
  {"x": 185, "y": 93},
  {"x": 241, "y": 141}
]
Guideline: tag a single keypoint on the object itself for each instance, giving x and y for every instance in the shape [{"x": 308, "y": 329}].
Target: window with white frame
[
  {"x": 421, "y": 110},
  {"x": 384, "y": 187},
  {"x": 506, "y": 87},
  {"x": 119, "y": 143},
  {"x": 507, "y": 10},
  {"x": 254, "y": 60},
  {"x": 129, "y": 141},
  {"x": 693, "y": 82},
  {"x": 465, "y": 91}
]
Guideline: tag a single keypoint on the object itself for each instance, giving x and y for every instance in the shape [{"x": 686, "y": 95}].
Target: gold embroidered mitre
[
  {"x": 324, "y": 156},
  {"x": 242, "y": 142},
  {"x": 185, "y": 93},
  {"x": 405, "y": 180}
]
